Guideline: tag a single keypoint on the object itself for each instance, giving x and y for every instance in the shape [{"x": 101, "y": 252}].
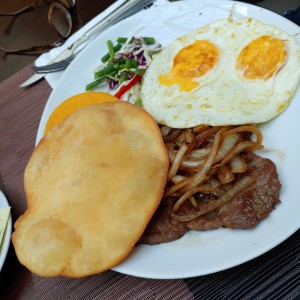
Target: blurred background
[{"x": 32, "y": 28}]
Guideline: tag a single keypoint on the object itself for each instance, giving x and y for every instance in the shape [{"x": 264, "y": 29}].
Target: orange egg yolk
[
  {"x": 192, "y": 61},
  {"x": 74, "y": 103},
  {"x": 261, "y": 58}
]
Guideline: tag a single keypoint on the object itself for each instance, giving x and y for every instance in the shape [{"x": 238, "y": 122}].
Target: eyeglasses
[{"x": 59, "y": 18}]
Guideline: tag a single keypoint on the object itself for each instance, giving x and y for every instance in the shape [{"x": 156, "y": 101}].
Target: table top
[{"x": 275, "y": 273}]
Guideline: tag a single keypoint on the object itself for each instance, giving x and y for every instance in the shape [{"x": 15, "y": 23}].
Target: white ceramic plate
[
  {"x": 200, "y": 253},
  {"x": 7, "y": 235}
]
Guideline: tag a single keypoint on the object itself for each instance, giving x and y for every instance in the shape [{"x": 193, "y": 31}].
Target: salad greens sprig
[{"x": 125, "y": 63}]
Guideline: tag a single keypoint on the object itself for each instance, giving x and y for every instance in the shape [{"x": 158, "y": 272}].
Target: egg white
[{"x": 223, "y": 96}]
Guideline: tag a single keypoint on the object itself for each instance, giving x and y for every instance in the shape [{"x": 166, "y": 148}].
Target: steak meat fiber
[{"x": 244, "y": 212}]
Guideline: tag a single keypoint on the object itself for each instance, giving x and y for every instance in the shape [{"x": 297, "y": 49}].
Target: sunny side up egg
[{"x": 225, "y": 73}]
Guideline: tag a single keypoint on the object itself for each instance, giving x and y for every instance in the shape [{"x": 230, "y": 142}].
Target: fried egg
[{"x": 227, "y": 72}]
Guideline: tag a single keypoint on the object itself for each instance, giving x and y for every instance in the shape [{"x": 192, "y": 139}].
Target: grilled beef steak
[{"x": 243, "y": 212}]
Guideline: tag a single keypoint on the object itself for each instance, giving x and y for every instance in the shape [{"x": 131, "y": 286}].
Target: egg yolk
[
  {"x": 192, "y": 61},
  {"x": 74, "y": 103},
  {"x": 261, "y": 58}
]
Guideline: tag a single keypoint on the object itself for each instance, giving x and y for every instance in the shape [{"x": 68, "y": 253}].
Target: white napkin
[{"x": 45, "y": 58}]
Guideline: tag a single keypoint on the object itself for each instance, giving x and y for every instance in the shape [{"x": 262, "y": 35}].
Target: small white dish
[{"x": 4, "y": 246}]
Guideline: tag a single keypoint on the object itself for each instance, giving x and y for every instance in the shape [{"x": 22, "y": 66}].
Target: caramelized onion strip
[
  {"x": 165, "y": 130},
  {"x": 177, "y": 186},
  {"x": 172, "y": 136},
  {"x": 247, "y": 128},
  {"x": 178, "y": 178},
  {"x": 188, "y": 138},
  {"x": 240, "y": 147},
  {"x": 193, "y": 201},
  {"x": 198, "y": 153},
  {"x": 202, "y": 173},
  {"x": 192, "y": 163},
  {"x": 171, "y": 152},
  {"x": 227, "y": 145},
  {"x": 238, "y": 164},
  {"x": 202, "y": 137},
  {"x": 177, "y": 161},
  {"x": 200, "y": 128},
  {"x": 201, "y": 189},
  {"x": 226, "y": 197},
  {"x": 225, "y": 175}
]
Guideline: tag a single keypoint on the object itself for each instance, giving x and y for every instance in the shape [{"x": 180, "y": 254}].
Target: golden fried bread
[{"x": 92, "y": 184}]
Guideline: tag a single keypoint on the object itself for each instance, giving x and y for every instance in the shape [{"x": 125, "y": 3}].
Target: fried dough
[{"x": 92, "y": 185}]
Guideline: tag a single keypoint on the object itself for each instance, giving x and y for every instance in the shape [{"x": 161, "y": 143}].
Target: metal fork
[
  {"x": 54, "y": 67},
  {"x": 127, "y": 9}
]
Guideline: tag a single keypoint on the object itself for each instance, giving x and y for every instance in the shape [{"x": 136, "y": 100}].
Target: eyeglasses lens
[{"x": 60, "y": 19}]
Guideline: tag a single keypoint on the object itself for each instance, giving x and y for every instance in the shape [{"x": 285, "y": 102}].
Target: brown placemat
[
  {"x": 112, "y": 285},
  {"x": 20, "y": 113},
  {"x": 274, "y": 275}
]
